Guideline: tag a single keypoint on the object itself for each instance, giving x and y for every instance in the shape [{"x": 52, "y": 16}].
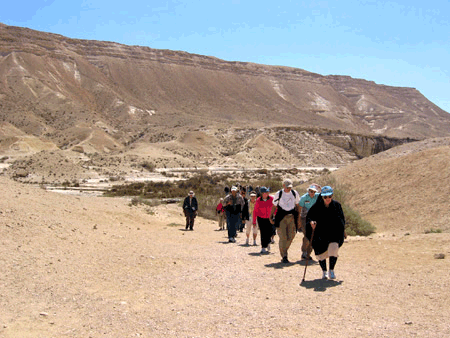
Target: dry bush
[{"x": 355, "y": 225}]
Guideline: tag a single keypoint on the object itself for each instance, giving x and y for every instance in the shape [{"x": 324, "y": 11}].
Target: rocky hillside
[{"x": 104, "y": 97}]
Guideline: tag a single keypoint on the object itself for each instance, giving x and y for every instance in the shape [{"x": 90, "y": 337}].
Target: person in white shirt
[{"x": 285, "y": 203}]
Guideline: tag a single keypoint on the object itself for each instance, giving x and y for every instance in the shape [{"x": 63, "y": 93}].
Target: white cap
[{"x": 287, "y": 183}]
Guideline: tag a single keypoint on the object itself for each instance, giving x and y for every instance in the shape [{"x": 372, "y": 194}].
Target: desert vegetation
[{"x": 210, "y": 188}]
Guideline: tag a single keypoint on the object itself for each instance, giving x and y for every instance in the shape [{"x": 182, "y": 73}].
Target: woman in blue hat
[{"x": 327, "y": 220}]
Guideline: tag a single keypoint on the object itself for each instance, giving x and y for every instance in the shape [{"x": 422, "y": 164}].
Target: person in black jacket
[
  {"x": 233, "y": 204},
  {"x": 190, "y": 209},
  {"x": 327, "y": 220},
  {"x": 245, "y": 213}
]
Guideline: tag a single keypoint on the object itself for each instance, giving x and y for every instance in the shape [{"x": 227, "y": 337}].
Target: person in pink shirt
[{"x": 261, "y": 213}]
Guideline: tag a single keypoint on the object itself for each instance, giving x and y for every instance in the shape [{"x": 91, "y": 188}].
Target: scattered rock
[
  {"x": 78, "y": 149},
  {"x": 21, "y": 173},
  {"x": 439, "y": 256}
]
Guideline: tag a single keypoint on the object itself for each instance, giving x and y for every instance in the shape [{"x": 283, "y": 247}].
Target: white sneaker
[
  {"x": 263, "y": 250},
  {"x": 324, "y": 275},
  {"x": 332, "y": 275},
  {"x": 246, "y": 241},
  {"x": 254, "y": 243}
]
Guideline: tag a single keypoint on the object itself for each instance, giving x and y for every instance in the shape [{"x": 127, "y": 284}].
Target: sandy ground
[{"x": 75, "y": 266}]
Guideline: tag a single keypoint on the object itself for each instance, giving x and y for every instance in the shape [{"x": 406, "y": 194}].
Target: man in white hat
[
  {"x": 306, "y": 202},
  {"x": 190, "y": 209},
  {"x": 285, "y": 203}
]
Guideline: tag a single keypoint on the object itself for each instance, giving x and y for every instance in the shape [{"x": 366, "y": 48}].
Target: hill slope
[
  {"x": 50, "y": 84},
  {"x": 403, "y": 189}
]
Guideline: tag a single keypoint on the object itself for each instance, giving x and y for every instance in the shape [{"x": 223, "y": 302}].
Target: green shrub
[
  {"x": 208, "y": 190},
  {"x": 148, "y": 166},
  {"x": 433, "y": 231},
  {"x": 355, "y": 224}
]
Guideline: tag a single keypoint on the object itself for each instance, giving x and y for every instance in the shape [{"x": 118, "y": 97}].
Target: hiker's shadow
[
  {"x": 310, "y": 262},
  {"x": 281, "y": 265},
  {"x": 320, "y": 285},
  {"x": 258, "y": 253}
]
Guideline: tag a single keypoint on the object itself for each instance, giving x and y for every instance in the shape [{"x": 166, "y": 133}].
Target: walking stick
[{"x": 307, "y": 258}]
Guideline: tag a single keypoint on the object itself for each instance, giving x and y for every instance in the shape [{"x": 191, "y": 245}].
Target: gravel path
[{"x": 96, "y": 267}]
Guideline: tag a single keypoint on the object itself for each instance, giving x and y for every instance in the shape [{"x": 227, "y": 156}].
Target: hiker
[
  {"x": 261, "y": 214},
  {"x": 306, "y": 202},
  {"x": 233, "y": 204},
  {"x": 221, "y": 214},
  {"x": 327, "y": 220},
  {"x": 227, "y": 192},
  {"x": 190, "y": 209},
  {"x": 285, "y": 204},
  {"x": 244, "y": 211},
  {"x": 249, "y": 220},
  {"x": 258, "y": 192}
]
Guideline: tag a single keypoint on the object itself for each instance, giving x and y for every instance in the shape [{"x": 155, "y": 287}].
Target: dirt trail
[{"x": 92, "y": 266}]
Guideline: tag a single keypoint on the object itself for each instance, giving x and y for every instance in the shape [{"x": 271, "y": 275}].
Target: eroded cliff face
[
  {"x": 363, "y": 145},
  {"x": 106, "y": 97}
]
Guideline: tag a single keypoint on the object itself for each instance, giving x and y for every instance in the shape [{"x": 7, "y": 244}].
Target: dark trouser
[
  {"x": 233, "y": 221},
  {"x": 242, "y": 226},
  {"x": 265, "y": 228},
  {"x": 190, "y": 217}
]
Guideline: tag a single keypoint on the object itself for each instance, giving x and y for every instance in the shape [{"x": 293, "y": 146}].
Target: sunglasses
[{"x": 326, "y": 197}]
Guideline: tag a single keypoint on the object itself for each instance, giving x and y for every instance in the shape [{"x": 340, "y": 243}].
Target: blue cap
[
  {"x": 264, "y": 189},
  {"x": 327, "y": 191}
]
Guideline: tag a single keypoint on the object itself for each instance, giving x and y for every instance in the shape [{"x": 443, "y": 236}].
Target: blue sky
[{"x": 396, "y": 43}]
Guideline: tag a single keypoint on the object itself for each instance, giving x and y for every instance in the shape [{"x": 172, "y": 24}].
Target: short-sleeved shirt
[
  {"x": 287, "y": 201},
  {"x": 306, "y": 202}
]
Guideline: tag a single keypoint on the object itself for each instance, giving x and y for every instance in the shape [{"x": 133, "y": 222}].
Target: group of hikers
[{"x": 315, "y": 214}]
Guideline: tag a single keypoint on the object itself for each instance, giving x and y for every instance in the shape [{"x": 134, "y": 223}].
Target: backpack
[
  {"x": 280, "y": 215},
  {"x": 281, "y": 192}
]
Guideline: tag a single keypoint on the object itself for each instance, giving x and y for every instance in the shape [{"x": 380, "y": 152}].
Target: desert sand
[{"x": 83, "y": 266}]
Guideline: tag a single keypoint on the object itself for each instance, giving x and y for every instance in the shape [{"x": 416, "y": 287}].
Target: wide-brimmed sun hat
[{"x": 312, "y": 187}]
